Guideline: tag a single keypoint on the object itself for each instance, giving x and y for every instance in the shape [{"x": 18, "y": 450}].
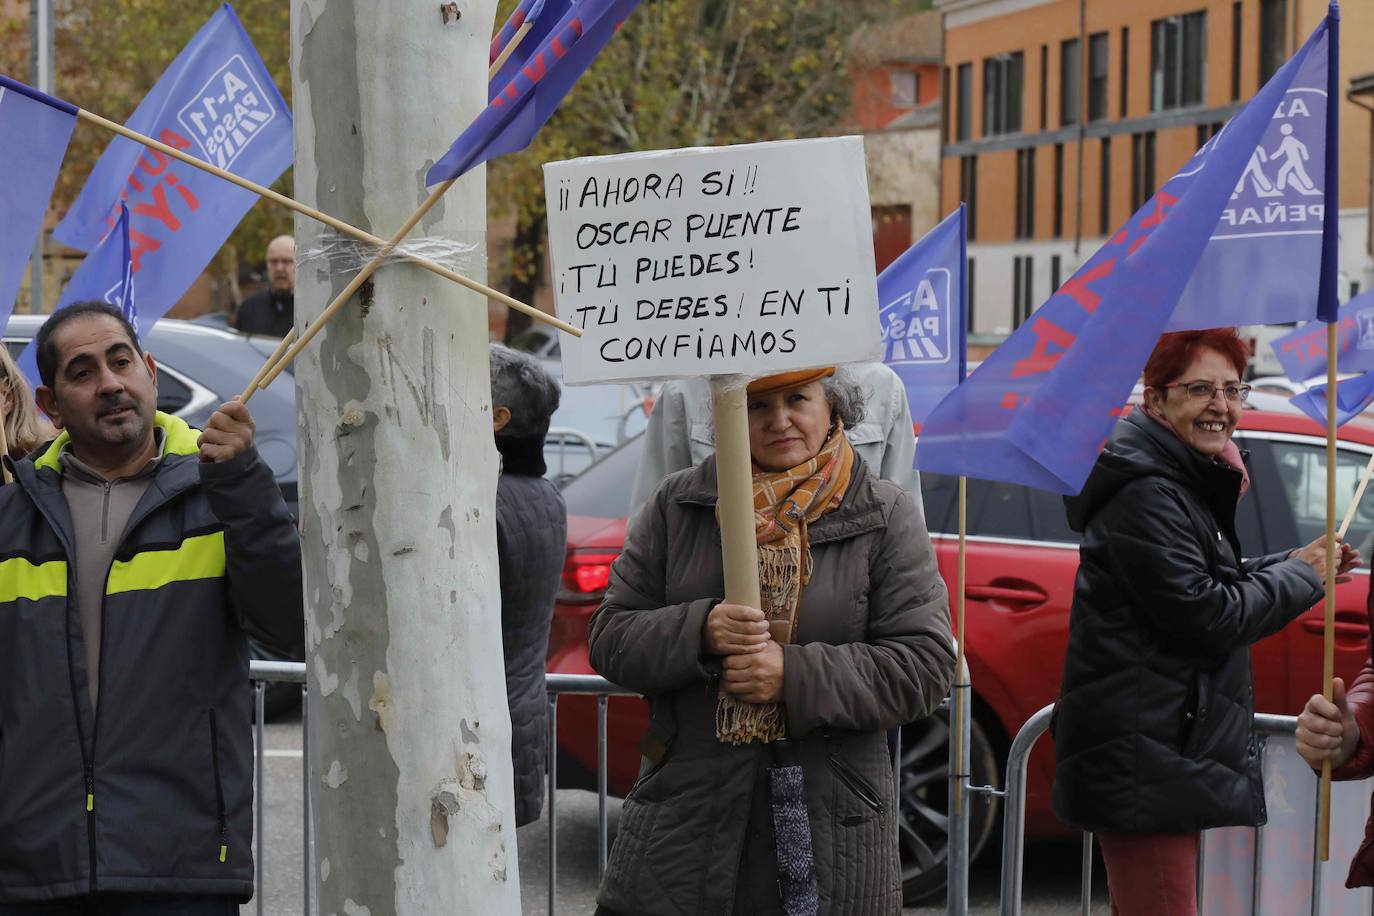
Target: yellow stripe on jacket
[
  {"x": 20, "y": 578},
  {"x": 199, "y": 557}
]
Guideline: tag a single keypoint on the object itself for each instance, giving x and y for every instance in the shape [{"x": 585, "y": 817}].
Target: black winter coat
[
  {"x": 151, "y": 791},
  {"x": 1153, "y": 724},
  {"x": 531, "y": 540}
]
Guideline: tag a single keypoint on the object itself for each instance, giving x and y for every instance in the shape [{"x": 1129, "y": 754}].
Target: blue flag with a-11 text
[
  {"x": 921, "y": 314},
  {"x": 34, "y": 131},
  {"x": 216, "y": 102},
  {"x": 525, "y": 103},
  {"x": 1302, "y": 352},
  {"x": 1202, "y": 252},
  {"x": 106, "y": 275},
  {"x": 542, "y": 15}
]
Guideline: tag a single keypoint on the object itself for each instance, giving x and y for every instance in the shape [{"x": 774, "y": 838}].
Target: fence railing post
[{"x": 956, "y": 856}]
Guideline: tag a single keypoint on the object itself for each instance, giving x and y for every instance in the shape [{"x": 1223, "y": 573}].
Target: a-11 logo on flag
[
  {"x": 916, "y": 324},
  {"x": 227, "y": 113},
  {"x": 1280, "y": 192}
]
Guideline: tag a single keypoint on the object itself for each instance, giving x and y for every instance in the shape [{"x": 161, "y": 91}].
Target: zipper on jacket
[
  {"x": 856, "y": 783},
  {"x": 219, "y": 791}
]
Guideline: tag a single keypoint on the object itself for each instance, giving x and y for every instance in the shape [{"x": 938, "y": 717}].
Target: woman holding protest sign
[
  {"x": 853, "y": 639},
  {"x": 1153, "y": 725},
  {"x": 22, "y": 428}
]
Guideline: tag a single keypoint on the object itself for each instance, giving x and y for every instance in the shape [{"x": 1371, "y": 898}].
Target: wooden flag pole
[
  {"x": 959, "y": 698},
  {"x": 735, "y": 489},
  {"x": 1329, "y": 604},
  {"x": 371, "y": 266},
  {"x": 1355, "y": 503},
  {"x": 271, "y": 361},
  {"x": 509, "y": 49}
]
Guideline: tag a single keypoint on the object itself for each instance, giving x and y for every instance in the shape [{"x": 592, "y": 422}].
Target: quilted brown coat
[{"x": 873, "y": 652}]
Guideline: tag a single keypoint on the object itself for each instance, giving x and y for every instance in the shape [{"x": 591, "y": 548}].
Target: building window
[
  {"x": 964, "y": 125},
  {"x": 1022, "y": 291},
  {"x": 1025, "y": 193},
  {"x": 1273, "y": 47},
  {"x": 1054, "y": 274},
  {"x": 1235, "y": 51},
  {"x": 1104, "y": 188},
  {"x": 1125, "y": 67},
  {"x": 1206, "y": 132},
  {"x": 906, "y": 87},
  {"x": 1142, "y": 169},
  {"x": 1070, "y": 83},
  {"x": 1044, "y": 87},
  {"x": 968, "y": 193},
  {"x": 945, "y": 106},
  {"x": 1097, "y": 76},
  {"x": 1058, "y": 190},
  {"x": 1002, "y": 79},
  {"x": 1178, "y": 61}
]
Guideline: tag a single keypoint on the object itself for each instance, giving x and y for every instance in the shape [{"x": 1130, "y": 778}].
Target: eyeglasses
[{"x": 1205, "y": 391}]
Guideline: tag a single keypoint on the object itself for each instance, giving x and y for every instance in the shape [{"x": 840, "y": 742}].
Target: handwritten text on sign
[{"x": 748, "y": 259}]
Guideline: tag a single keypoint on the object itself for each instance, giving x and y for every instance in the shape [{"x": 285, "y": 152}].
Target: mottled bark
[{"x": 409, "y": 730}]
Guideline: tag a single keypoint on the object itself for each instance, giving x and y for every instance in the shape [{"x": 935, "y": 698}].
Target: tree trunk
[{"x": 410, "y": 733}]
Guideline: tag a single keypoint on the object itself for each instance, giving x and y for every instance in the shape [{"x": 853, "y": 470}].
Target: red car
[{"x": 1022, "y": 558}]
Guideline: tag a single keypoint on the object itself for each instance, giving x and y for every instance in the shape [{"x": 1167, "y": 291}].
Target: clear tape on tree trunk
[{"x": 339, "y": 253}]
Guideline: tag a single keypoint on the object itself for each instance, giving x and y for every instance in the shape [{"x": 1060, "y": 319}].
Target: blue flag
[
  {"x": 1302, "y": 352},
  {"x": 106, "y": 275},
  {"x": 216, "y": 102},
  {"x": 1038, "y": 410},
  {"x": 542, "y": 15},
  {"x": 1353, "y": 395},
  {"x": 921, "y": 312},
  {"x": 525, "y": 103},
  {"x": 34, "y": 130}
]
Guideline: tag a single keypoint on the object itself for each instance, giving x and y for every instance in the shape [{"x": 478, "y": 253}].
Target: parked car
[
  {"x": 590, "y": 421},
  {"x": 199, "y": 368},
  {"x": 1021, "y": 561},
  {"x": 1285, "y": 387}
]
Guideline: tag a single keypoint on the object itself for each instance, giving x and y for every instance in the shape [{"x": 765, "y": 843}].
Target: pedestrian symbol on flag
[
  {"x": 1280, "y": 191},
  {"x": 915, "y": 324},
  {"x": 227, "y": 113}
]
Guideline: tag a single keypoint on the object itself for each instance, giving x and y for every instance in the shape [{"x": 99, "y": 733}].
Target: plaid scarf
[{"x": 785, "y": 502}]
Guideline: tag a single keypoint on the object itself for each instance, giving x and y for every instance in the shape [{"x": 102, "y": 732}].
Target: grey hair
[
  {"x": 846, "y": 396},
  {"x": 523, "y": 386}
]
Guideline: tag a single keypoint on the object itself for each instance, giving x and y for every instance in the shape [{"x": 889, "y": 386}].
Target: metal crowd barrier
[
  {"x": 1014, "y": 822},
  {"x": 262, "y": 672}
]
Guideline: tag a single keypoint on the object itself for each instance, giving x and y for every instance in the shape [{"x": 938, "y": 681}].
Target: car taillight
[{"x": 587, "y": 573}]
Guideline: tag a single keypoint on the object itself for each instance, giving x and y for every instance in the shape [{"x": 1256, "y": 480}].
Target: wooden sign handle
[{"x": 735, "y": 490}]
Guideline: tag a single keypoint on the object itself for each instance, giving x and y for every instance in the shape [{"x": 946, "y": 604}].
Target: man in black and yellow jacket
[{"x": 136, "y": 555}]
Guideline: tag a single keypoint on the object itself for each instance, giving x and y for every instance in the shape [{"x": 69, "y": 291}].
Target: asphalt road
[{"x": 1051, "y": 873}]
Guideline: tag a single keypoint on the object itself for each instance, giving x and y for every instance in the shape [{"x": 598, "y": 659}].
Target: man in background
[{"x": 272, "y": 311}]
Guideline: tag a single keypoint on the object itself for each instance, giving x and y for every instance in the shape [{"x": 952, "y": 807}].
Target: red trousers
[{"x": 1151, "y": 874}]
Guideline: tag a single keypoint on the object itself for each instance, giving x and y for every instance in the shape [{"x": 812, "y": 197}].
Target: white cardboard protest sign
[{"x": 749, "y": 260}]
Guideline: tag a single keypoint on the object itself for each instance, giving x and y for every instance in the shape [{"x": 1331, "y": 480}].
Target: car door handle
[
  {"x": 1019, "y": 593},
  {"x": 1344, "y": 629}
]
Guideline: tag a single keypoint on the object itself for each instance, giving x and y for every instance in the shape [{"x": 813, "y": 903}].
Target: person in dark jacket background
[
  {"x": 135, "y": 558},
  {"x": 531, "y": 540},
  {"x": 272, "y": 310},
  {"x": 1153, "y": 724},
  {"x": 853, "y": 639}
]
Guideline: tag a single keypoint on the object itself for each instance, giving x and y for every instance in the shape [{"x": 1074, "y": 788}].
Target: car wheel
[{"x": 923, "y": 827}]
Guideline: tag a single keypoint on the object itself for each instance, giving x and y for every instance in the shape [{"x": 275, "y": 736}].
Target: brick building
[{"x": 1062, "y": 117}]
